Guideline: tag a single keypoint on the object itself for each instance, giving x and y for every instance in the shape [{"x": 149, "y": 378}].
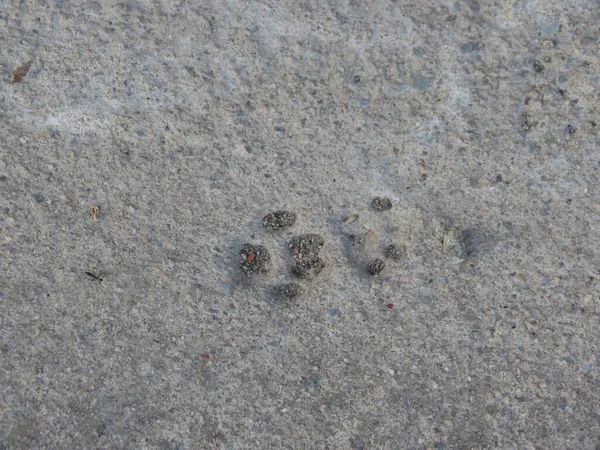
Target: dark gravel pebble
[
  {"x": 290, "y": 290},
  {"x": 375, "y": 266},
  {"x": 39, "y": 198},
  {"x": 306, "y": 246},
  {"x": 381, "y": 203},
  {"x": 279, "y": 220},
  {"x": 395, "y": 252},
  {"x": 255, "y": 259},
  {"x": 309, "y": 267}
]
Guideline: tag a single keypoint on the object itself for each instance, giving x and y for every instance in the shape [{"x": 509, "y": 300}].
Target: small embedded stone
[
  {"x": 279, "y": 220},
  {"x": 381, "y": 203},
  {"x": 376, "y": 266},
  {"x": 290, "y": 290},
  {"x": 309, "y": 267},
  {"x": 350, "y": 219},
  {"x": 255, "y": 259},
  {"x": 453, "y": 245}
]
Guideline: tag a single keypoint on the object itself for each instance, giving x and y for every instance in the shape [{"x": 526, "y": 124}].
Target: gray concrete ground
[{"x": 186, "y": 122}]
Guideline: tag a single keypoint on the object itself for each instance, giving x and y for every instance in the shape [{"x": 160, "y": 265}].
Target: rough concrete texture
[{"x": 186, "y": 123}]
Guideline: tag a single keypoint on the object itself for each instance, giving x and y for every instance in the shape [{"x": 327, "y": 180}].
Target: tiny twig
[{"x": 95, "y": 277}]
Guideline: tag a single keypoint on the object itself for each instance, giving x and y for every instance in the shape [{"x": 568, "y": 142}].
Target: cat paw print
[
  {"x": 373, "y": 251},
  {"x": 303, "y": 250}
]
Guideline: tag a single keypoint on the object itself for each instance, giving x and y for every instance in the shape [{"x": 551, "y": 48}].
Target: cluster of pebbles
[
  {"x": 304, "y": 249},
  {"x": 255, "y": 259},
  {"x": 394, "y": 252},
  {"x": 453, "y": 242}
]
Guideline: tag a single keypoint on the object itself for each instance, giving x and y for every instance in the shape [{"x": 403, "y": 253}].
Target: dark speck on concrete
[
  {"x": 310, "y": 382},
  {"x": 440, "y": 446},
  {"x": 509, "y": 226},
  {"x": 255, "y": 259},
  {"x": 289, "y": 290},
  {"x": 376, "y": 266},
  {"x": 357, "y": 79},
  {"x": 538, "y": 66},
  {"x": 571, "y": 129},
  {"x": 363, "y": 101},
  {"x": 39, "y": 198},
  {"x": 395, "y": 252},
  {"x": 469, "y": 47},
  {"x": 279, "y": 220},
  {"x": 421, "y": 83},
  {"x": 418, "y": 52},
  {"x": 474, "y": 6},
  {"x": 248, "y": 149},
  {"x": 381, "y": 203},
  {"x": 546, "y": 208}
]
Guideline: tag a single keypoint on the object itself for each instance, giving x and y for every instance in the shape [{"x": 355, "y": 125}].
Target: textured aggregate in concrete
[{"x": 279, "y": 220}]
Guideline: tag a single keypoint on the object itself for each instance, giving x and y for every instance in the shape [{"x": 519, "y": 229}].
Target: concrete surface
[{"x": 186, "y": 122}]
